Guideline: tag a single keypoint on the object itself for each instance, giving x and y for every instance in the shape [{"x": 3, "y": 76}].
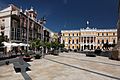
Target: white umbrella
[
  {"x": 23, "y": 44},
  {"x": 15, "y": 44},
  {"x": 7, "y": 44},
  {"x": 27, "y": 45}
]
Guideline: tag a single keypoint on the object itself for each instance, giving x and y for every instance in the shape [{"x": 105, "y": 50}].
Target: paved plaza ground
[{"x": 66, "y": 66}]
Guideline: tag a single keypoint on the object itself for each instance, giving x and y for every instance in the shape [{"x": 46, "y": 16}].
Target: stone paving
[{"x": 66, "y": 66}]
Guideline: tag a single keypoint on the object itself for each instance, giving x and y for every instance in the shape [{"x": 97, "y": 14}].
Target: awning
[
  {"x": 6, "y": 44},
  {"x": 14, "y": 44},
  {"x": 23, "y": 44}
]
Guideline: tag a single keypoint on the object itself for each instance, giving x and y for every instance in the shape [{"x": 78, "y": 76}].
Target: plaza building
[
  {"x": 88, "y": 38},
  {"x": 21, "y": 26}
]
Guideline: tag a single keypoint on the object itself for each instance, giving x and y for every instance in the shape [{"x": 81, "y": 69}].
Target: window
[
  {"x": 98, "y": 41},
  {"x": 114, "y": 41},
  {"x": 106, "y": 34},
  {"x": 88, "y": 41},
  {"x": 69, "y": 41},
  {"x": 81, "y": 39},
  {"x": 73, "y": 47},
  {"x": 102, "y": 41},
  {"x": 77, "y": 47},
  {"x": 98, "y": 34},
  {"x": 73, "y": 34},
  {"x": 84, "y": 41},
  {"x": 3, "y": 20},
  {"x": 91, "y": 41},
  {"x": 69, "y": 47},
  {"x": 102, "y": 34},
  {"x": 107, "y": 41},
  {"x": 30, "y": 15},
  {"x": 113, "y": 34},
  {"x": 77, "y": 41},
  {"x": 77, "y": 34},
  {"x": 72, "y": 41}
]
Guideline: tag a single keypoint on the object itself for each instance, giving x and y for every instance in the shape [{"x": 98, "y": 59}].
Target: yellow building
[{"x": 88, "y": 39}]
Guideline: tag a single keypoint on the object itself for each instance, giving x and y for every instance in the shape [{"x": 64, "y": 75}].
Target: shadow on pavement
[
  {"x": 22, "y": 66},
  {"x": 91, "y": 61},
  {"x": 106, "y": 75},
  {"x": 3, "y": 62},
  {"x": 26, "y": 76}
]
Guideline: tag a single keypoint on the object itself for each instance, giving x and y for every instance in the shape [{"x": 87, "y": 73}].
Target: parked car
[
  {"x": 75, "y": 50},
  {"x": 64, "y": 50},
  {"x": 50, "y": 52},
  {"x": 90, "y": 54}
]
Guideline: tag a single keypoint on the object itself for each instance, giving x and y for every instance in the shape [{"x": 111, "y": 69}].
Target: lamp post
[
  {"x": 27, "y": 33},
  {"x": 42, "y": 22}
]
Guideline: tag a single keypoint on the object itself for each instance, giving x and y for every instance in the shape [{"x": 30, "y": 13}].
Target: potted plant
[
  {"x": 37, "y": 56},
  {"x": 27, "y": 57}
]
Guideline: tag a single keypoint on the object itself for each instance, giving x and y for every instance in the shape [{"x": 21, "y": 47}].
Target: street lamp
[
  {"x": 27, "y": 33},
  {"x": 42, "y": 22}
]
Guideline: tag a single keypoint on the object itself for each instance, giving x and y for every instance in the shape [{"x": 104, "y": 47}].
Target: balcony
[{"x": 15, "y": 12}]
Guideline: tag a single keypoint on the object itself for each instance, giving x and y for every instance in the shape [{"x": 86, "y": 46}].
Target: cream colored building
[{"x": 88, "y": 38}]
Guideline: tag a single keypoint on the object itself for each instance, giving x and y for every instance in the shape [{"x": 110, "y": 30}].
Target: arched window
[
  {"x": 102, "y": 34},
  {"x": 73, "y": 34},
  {"x": 73, "y": 47},
  {"x": 98, "y": 41},
  {"x": 72, "y": 41},
  {"x": 107, "y": 41},
  {"x": 102, "y": 41},
  {"x": 69, "y": 41},
  {"x": 77, "y": 34},
  {"x": 114, "y": 41},
  {"x": 77, "y": 41}
]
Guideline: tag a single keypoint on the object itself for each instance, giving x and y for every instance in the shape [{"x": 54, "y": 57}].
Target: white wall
[{"x": 7, "y": 26}]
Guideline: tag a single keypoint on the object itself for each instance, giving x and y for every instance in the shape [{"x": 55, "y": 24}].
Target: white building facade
[
  {"x": 20, "y": 26},
  {"x": 88, "y": 38}
]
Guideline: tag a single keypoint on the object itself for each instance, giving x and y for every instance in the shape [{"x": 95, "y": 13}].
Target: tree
[
  {"x": 55, "y": 44},
  {"x": 36, "y": 44},
  {"x": 47, "y": 44},
  {"x": 61, "y": 45},
  {"x": 2, "y": 39}
]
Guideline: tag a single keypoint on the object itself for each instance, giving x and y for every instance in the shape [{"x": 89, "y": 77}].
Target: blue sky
[{"x": 72, "y": 14}]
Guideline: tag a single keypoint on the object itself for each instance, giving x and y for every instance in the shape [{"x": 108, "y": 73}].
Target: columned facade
[{"x": 88, "y": 38}]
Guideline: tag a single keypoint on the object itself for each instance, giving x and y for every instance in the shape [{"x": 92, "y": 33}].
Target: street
[{"x": 66, "y": 66}]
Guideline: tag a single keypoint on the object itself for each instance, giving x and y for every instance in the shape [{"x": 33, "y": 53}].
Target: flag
[{"x": 88, "y": 22}]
